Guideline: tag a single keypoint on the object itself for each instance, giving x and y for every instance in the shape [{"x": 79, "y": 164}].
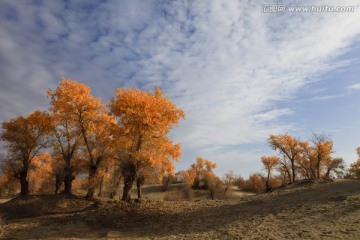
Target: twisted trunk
[
  {"x": 69, "y": 177},
  {"x": 91, "y": 187},
  {"x": 128, "y": 183},
  {"x": 129, "y": 173}
]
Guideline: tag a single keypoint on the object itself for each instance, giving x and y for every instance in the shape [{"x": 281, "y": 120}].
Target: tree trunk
[
  {"x": 289, "y": 176},
  {"x": 293, "y": 171},
  {"x": 267, "y": 183},
  {"x": 140, "y": 180},
  {"x": 101, "y": 186},
  {"x": 115, "y": 186},
  {"x": 91, "y": 187},
  {"x": 267, "y": 186},
  {"x": 318, "y": 169},
  {"x": 58, "y": 181},
  {"x": 286, "y": 172},
  {"x": 69, "y": 177},
  {"x": 312, "y": 169},
  {"x": 24, "y": 184},
  {"x": 128, "y": 183},
  {"x": 22, "y": 175},
  {"x": 138, "y": 186},
  {"x": 129, "y": 172}
]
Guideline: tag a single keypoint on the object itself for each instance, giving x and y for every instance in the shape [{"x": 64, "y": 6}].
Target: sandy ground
[{"x": 306, "y": 211}]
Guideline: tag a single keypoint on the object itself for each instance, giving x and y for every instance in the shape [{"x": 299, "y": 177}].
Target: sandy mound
[{"x": 317, "y": 210}]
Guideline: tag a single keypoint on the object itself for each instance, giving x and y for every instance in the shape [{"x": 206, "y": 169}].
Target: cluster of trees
[
  {"x": 200, "y": 175},
  {"x": 296, "y": 160},
  {"x": 82, "y": 142},
  {"x": 81, "y": 138}
]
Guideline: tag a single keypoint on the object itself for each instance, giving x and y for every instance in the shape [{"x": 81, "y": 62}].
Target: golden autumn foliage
[
  {"x": 74, "y": 99},
  {"x": 144, "y": 120},
  {"x": 200, "y": 174},
  {"x": 83, "y": 120},
  {"x": 269, "y": 163},
  {"x": 41, "y": 175},
  {"x": 25, "y": 138},
  {"x": 322, "y": 149},
  {"x": 304, "y": 160},
  {"x": 66, "y": 146},
  {"x": 187, "y": 177},
  {"x": 253, "y": 184},
  {"x": 290, "y": 148},
  {"x": 100, "y": 147}
]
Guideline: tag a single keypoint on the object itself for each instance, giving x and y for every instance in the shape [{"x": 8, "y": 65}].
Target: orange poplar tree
[
  {"x": 66, "y": 145},
  {"x": 270, "y": 163},
  {"x": 73, "y": 101},
  {"x": 100, "y": 148},
  {"x": 290, "y": 148},
  {"x": 144, "y": 121},
  {"x": 203, "y": 172},
  {"x": 309, "y": 161},
  {"x": 322, "y": 150},
  {"x": 25, "y": 138}
]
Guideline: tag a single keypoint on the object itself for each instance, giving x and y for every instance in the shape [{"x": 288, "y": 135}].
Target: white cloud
[
  {"x": 355, "y": 86},
  {"x": 327, "y": 97},
  {"x": 242, "y": 64}
]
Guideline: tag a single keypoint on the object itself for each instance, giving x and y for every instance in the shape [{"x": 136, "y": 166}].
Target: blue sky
[{"x": 238, "y": 73}]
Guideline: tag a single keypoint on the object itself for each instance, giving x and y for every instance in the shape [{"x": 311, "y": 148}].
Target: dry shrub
[
  {"x": 276, "y": 182},
  {"x": 215, "y": 186},
  {"x": 253, "y": 184}
]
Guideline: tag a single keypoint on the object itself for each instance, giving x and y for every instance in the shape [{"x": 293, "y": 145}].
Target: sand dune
[{"x": 319, "y": 210}]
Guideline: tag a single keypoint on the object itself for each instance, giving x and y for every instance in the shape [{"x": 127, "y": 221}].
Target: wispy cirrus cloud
[
  {"x": 355, "y": 86},
  {"x": 227, "y": 64}
]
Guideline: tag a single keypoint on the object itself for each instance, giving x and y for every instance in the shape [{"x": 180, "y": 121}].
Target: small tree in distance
[
  {"x": 270, "y": 163},
  {"x": 229, "y": 179}
]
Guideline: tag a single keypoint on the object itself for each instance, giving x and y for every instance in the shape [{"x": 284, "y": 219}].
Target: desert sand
[{"x": 318, "y": 210}]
